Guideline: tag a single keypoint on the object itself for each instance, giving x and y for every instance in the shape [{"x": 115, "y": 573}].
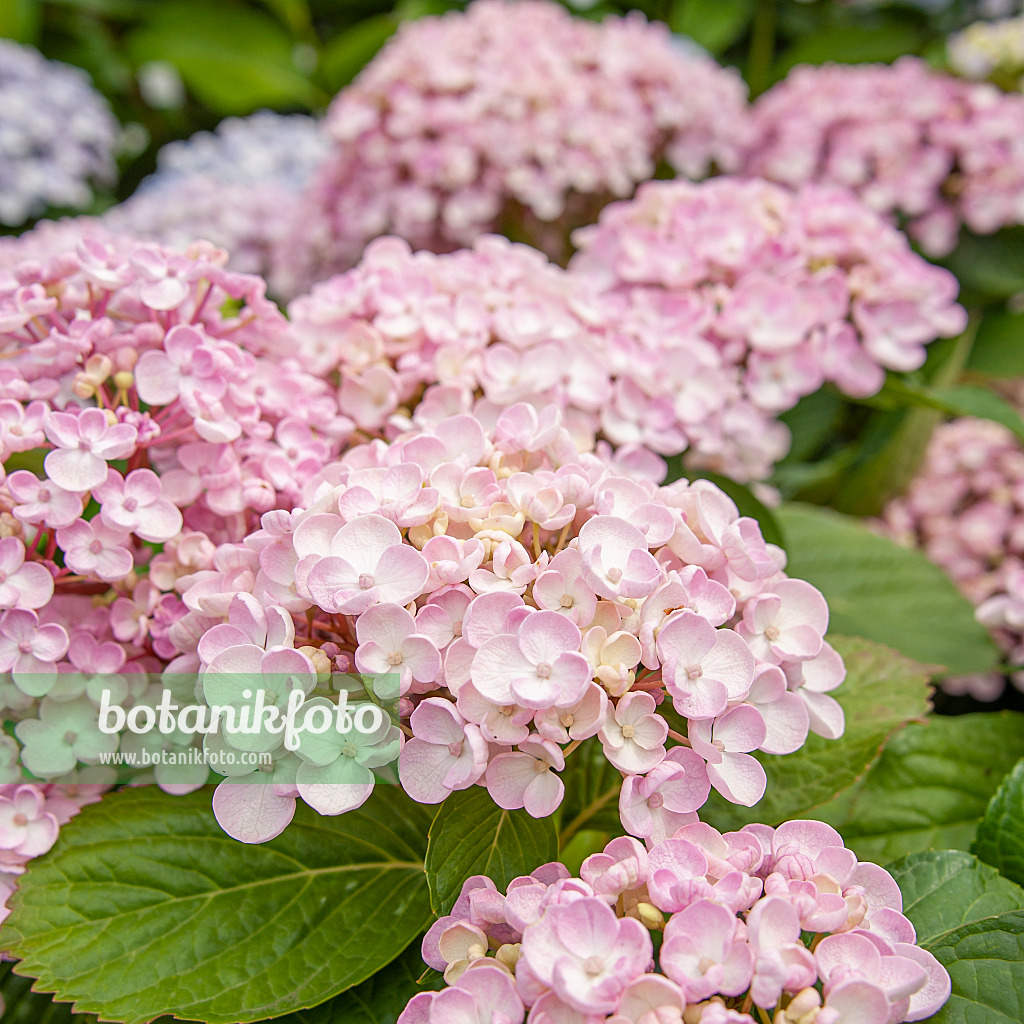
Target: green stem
[
  {"x": 762, "y": 47},
  {"x": 587, "y": 813}
]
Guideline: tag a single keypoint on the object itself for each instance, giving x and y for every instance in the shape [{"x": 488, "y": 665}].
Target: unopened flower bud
[
  {"x": 508, "y": 955},
  {"x": 649, "y": 916},
  {"x": 124, "y": 379},
  {"x": 83, "y": 386},
  {"x": 321, "y": 662},
  {"x": 10, "y": 527},
  {"x": 419, "y": 535}
]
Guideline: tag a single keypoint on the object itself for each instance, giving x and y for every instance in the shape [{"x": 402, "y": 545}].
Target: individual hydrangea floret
[
  {"x": 965, "y": 510},
  {"x": 511, "y": 117},
  {"x": 527, "y": 600},
  {"x": 789, "y": 288},
  {"x": 930, "y": 149},
  {"x": 57, "y": 135},
  {"x": 237, "y": 186},
  {"x": 410, "y": 336},
  {"x": 785, "y": 923}
]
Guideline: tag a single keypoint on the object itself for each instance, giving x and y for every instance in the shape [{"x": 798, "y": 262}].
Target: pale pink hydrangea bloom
[
  {"x": 620, "y": 596},
  {"x": 965, "y": 510},
  {"x": 734, "y": 909},
  {"x": 788, "y": 288},
  {"x": 154, "y": 390},
  {"x": 30, "y": 819},
  {"x": 513, "y": 117},
  {"x": 415, "y": 337},
  {"x": 931, "y": 149}
]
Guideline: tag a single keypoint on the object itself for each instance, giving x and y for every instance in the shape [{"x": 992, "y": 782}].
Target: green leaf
[
  {"x": 962, "y": 400},
  {"x": 145, "y": 907},
  {"x": 887, "y": 593},
  {"x": 946, "y": 889},
  {"x": 23, "y": 1006},
  {"x": 999, "y": 348},
  {"x": 233, "y": 58},
  {"x": 21, "y": 20},
  {"x": 1000, "y": 840},
  {"x": 715, "y": 24},
  {"x": 814, "y": 422},
  {"x": 923, "y": 792},
  {"x": 853, "y": 44},
  {"x": 972, "y": 920},
  {"x": 989, "y": 267},
  {"x": 882, "y": 692},
  {"x": 345, "y": 56},
  {"x": 378, "y": 1000},
  {"x": 472, "y": 835}
]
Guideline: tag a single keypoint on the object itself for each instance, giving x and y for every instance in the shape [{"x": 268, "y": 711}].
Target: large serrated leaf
[
  {"x": 146, "y": 907},
  {"x": 972, "y": 920},
  {"x": 945, "y": 889},
  {"x": 472, "y": 835},
  {"x": 883, "y": 691},
  {"x": 1000, "y": 839},
  {"x": 923, "y": 792},
  {"x": 887, "y": 593}
]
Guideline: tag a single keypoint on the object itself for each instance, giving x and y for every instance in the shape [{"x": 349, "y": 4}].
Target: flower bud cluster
[
  {"x": 427, "y": 332},
  {"x": 147, "y": 414},
  {"x": 237, "y": 187},
  {"x": 990, "y": 49}
]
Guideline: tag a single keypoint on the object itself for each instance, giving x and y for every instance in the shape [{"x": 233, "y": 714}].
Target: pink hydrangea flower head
[{"x": 442, "y": 150}]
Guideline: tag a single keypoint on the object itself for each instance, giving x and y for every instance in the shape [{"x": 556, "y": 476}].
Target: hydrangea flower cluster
[
  {"x": 990, "y": 49},
  {"x": 31, "y": 817},
  {"x": 500, "y": 323},
  {"x": 528, "y": 599},
  {"x": 965, "y": 510},
  {"x": 57, "y": 135},
  {"x": 149, "y": 423},
  {"x": 931, "y": 149},
  {"x": 237, "y": 187},
  {"x": 785, "y": 921},
  {"x": 794, "y": 288},
  {"x": 517, "y": 117}
]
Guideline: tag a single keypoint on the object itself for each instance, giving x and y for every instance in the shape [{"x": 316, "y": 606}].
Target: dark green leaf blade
[
  {"x": 1000, "y": 840},
  {"x": 946, "y": 889},
  {"x": 378, "y": 1000},
  {"x": 972, "y": 920},
  {"x": 930, "y": 787},
  {"x": 887, "y": 593},
  {"x": 472, "y": 835},
  {"x": 146, "y": 907}
]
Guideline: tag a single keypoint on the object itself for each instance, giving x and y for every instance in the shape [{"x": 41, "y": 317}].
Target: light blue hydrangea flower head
[{"x": 57, "y": 135}]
